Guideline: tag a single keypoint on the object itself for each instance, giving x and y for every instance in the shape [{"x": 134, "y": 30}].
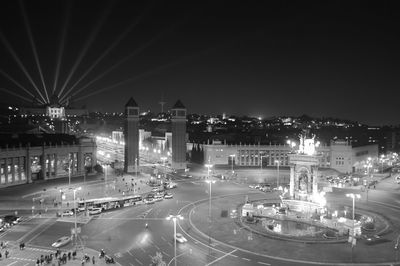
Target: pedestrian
[
  {"x": 7, "y": 254},
  {"x": 0, "y": 255},
  {"x": 93, "y": 261},
  {"x": 69, "y": 255}
]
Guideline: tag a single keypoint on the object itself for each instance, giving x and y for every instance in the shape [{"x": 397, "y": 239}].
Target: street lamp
[
  {"x": 353, "y": 196},
  {"x": 208, "y": 165},
  {"x": 232, "y": 158},
  {"x": 277, "y": 162},
  {"x": 75, "y": 207},
  {"x": 69, "y": 172},
  {"x": 174, "y": 218},
  {"x": 209, "y": 208}
]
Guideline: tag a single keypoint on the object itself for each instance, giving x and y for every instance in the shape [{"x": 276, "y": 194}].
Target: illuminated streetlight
[
  {"x": 75, "y": 208},
  {"x": 353, "y": 240},
  {"x": 232, "y": 158},
  {"x": 277, "y": 162},
  {"x": 174, "y": 218}
]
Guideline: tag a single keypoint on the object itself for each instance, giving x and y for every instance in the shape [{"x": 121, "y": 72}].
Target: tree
[{"x": 157, "y": 260}]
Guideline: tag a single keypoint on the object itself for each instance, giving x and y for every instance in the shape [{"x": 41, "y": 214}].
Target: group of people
[
  {"x": 59, "y": 258},
  {"x": 6, "y": 253}
]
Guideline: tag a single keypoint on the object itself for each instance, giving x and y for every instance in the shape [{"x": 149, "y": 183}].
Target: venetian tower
[
  {"x": 179, "y": 136},
  {"x": 131, "y": 136}
]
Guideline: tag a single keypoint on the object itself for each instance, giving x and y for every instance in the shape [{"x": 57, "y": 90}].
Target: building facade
[
  {"x": 26, "y": 163},
  {"x": 340, "y": 155}
]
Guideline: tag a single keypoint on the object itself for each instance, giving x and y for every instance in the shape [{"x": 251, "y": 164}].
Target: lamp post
[
  {"x": 353, "y": 196},
  {"x": 174, "y": 218},
  {"x": 232, "y": 158},
  {"x": 69, "y": 172},
  {"x": 75, "y": 233},
  {"x": 277, "y": 162}
]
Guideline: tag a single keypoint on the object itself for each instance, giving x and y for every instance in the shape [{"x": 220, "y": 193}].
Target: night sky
[{"x": 261, "y": 58}]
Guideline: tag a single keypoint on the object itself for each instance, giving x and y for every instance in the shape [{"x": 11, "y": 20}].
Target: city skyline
[{"x": 286, "y": 59}]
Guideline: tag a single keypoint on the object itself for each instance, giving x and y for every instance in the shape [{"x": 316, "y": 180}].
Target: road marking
[
  {"x": 220, "y": 258},
  {"x": 143, "y": 250},
  {"x": 156, "y": 247},
  {"x": 12, "y": 263},
  {"x": 131, "y": 264},
  {"x": 264, "y": 263},
  {"x": 170, "y": 244},
  {"x": 118, "y": 255},
  {"x": 16, "y": 258},
  {"x": 130, "y": 253},
  {"x": 166, "y": 254},
  {"x": 138, "y": 261},
  {"x": 27, "y": 264},
  {"x": 163, "y": 239},
  {"x": 246, "y": 259}
]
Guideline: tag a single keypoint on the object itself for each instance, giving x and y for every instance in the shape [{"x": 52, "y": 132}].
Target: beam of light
[
  {"x": 15, "y": 94},
  {"x": 33, "y": 46},
  {"x": 123, "y": 60},
  {"x": 16, "y": 83},
  {"x": 86, "y": 46},
  {"x": 18, "y": 61},
  {"x": 62, "y": 44},
  {"x": 144, "y": 74},
  {"x": 109, "y": 49}
]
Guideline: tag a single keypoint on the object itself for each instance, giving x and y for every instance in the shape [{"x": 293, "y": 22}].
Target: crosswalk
[
  {"x": 144, "y": 214},
  {"x": 25, "y": 257}
]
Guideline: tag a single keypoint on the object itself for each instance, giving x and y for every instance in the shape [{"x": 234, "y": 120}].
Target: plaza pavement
[{"x": 20, "y": 199}]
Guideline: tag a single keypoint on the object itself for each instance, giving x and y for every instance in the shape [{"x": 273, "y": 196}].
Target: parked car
[
  {"x": 11, "y": 219},
  {"x": 158, "y": 198},
  {"x": 149, "y": 201},
  {"x": 67, "y": 213},
  {"x": 180, "y": 238},
  {"x": 62, "y": 241},
  {"x": 168, "y": 196}
]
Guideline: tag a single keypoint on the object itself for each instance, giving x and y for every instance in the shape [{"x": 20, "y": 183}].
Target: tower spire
[{"x": 162, "y": 102}]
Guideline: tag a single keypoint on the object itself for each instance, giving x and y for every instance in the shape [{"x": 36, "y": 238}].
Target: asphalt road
[{"x": 122, "y": 232}]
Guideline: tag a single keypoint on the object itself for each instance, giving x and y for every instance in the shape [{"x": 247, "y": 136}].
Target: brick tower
[
  {"x": 178, "y": 136},
  {"x": 131, "y": 136}
]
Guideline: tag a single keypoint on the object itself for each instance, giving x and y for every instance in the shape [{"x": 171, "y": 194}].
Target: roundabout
[{"x": 227, "y": 233}]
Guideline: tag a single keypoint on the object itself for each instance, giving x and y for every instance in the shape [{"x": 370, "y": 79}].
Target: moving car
[
  {"x": 62, "y": 241},
  {"x": 180, "y": 238},
  {"x": 374, "y": 240},
  {"x": 94, "y": 211},
  {"x": 67, "y": 213}
]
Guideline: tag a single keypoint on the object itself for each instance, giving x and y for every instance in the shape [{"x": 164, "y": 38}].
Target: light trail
[
  {"x": 123, "y": 60},
  {"x": 18, "y": 61},
  {"x": 144, "y": 74},
  {"x": 89, "y": 42},
  {"x": 33, "y": 46},
  {"x": 15, "y": 94},
  {"x": 16, "y": 83},
  {"x": 62, "y": 45},
  {"x": 109, "y": 49}
]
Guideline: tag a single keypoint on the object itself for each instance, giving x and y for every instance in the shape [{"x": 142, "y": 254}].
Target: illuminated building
[
  {"x": 340, "y": 155},
  {"x": 28, "y": 158},
  {"x": 131, "y": 135},
  {"x": 178, "y": 136}
]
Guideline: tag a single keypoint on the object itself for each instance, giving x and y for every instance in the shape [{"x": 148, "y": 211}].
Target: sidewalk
[{"x": 30, "y": 255}]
